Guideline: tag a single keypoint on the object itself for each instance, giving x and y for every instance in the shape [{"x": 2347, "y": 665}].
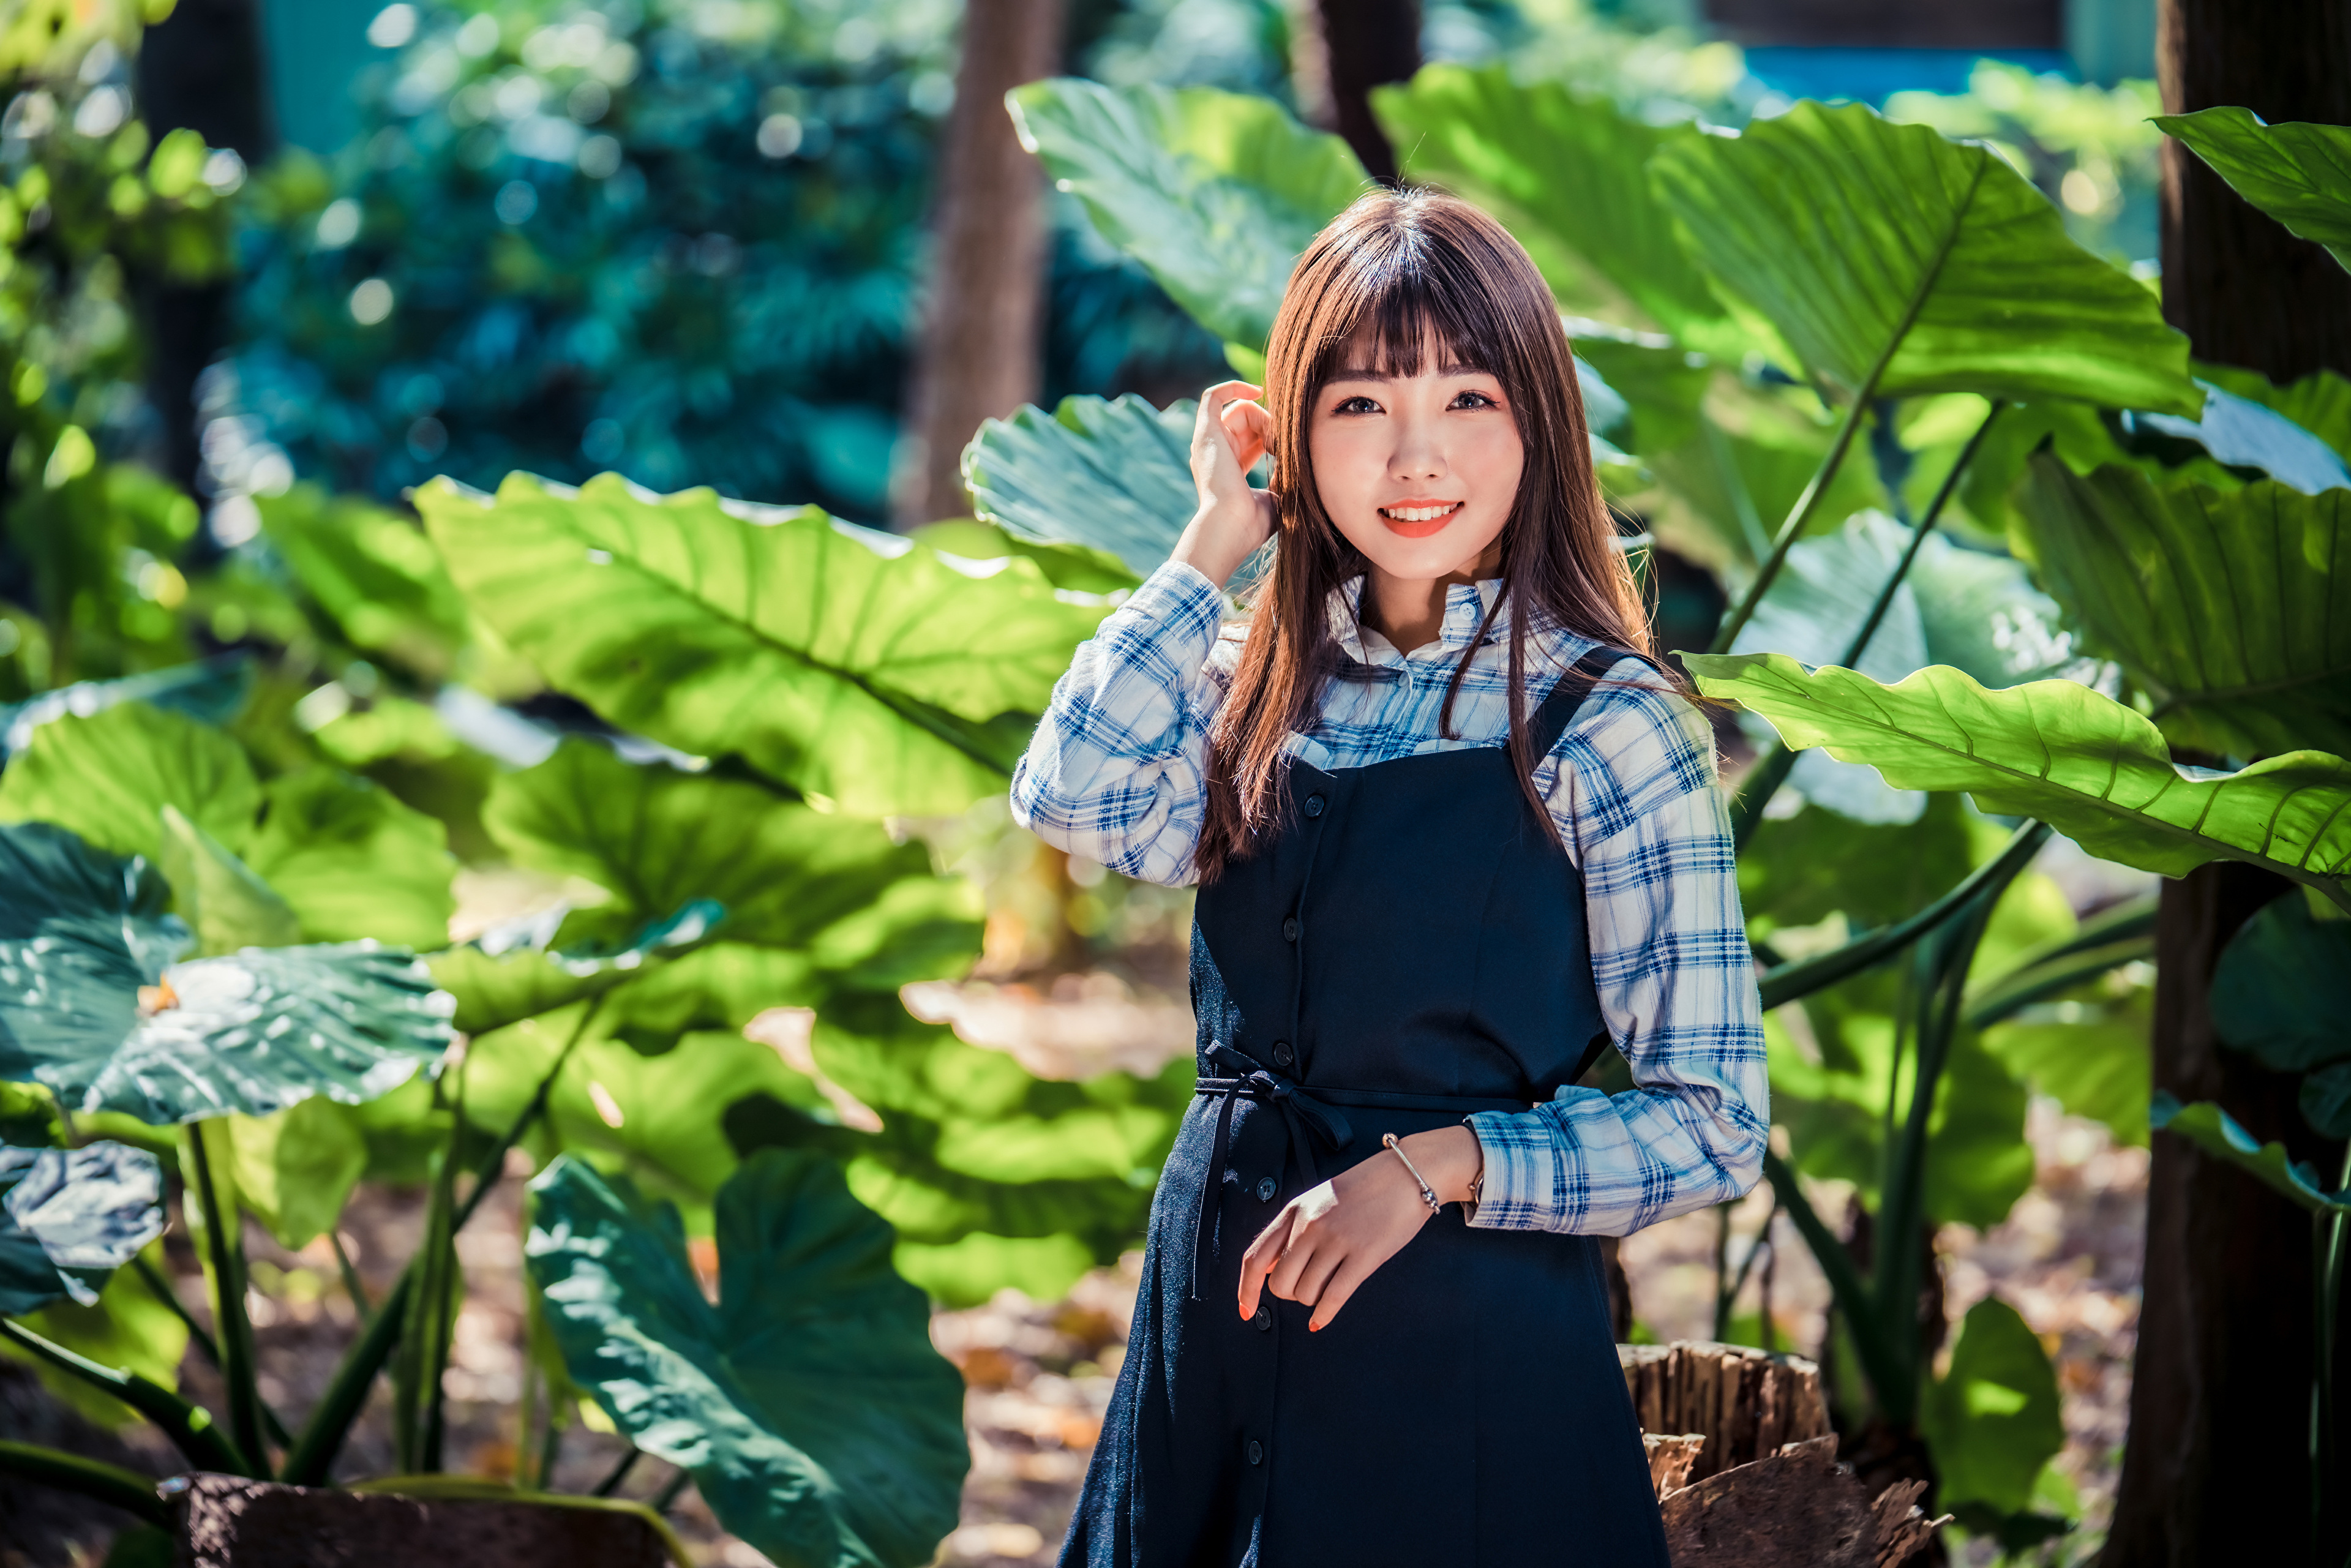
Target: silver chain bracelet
[{"x": 1428, "y": 1193}]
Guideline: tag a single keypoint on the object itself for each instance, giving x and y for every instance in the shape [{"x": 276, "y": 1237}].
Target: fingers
[
  {"x": 1249, "y": 430},
  {"x": 1212, "y": 421},
  {"x": 1262, "y": 1255},
  {"x": 1341, "y": 1286}
]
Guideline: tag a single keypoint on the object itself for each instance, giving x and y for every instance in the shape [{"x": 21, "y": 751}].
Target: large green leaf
[
  {"x": 1111, "y": 475},
  {"x": 80, "y": 931},
  {"x": 107, "y": 776},
  {"x": 2089, "y": 1055},
  {"x": 2233, "y": 607},
  {"x": 818, "y": 1422},
  {"x": 252, "y": 1032},
  {"x": 1993, "y": 1420},
  {"x": 846, "y": 662},
  {"x": 2282, "y": 991},
  {"x": 1867, "y": 243},
  {"x": 1216, "y": 194},
  {"x": 2320, "y": 403},
  {"x": 1954, "y": 607},
  {"x": 2217, "y": 1134},
  {"x": 1832, "y": 1099},
  {"x": 294, "y": 1171},
  {"x": 2086, "y": 765},
  {"x": 2298, "y": 173},
  {"x": 1569, "y": 174},
  {"x": 656, "y": 838},
  {"x": 374, "y": 572},
  {"x": 69, "y": 1218},
  {"x": 1800, "y": 869},
  {"x": 353, "y": 861}
]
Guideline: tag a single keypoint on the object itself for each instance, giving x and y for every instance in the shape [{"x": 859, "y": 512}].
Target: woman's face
[{"x": 1418, "y": 472}]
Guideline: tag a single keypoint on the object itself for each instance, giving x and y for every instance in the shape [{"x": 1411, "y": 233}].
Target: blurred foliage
[
  {"x": 683, "y": 242},
  {"x": 94, "y": 213}
]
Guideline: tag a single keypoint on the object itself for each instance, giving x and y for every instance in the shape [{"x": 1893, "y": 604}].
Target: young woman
[{"x": 1454, "y": 832}]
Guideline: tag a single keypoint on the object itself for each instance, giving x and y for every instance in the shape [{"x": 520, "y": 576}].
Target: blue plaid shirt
[{"x": 1115, "y": 773}]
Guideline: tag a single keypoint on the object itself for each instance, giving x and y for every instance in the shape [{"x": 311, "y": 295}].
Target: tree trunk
[
  {"x": 201, "y": 68},
  {"x": 1346, "y": 48},
  {"x": 2244, "y": 290},
  {"x": 2215, "y": 1467},
  {"x": 982, "y": 343}
]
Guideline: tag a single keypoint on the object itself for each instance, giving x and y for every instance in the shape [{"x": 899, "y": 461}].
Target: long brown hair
[{"x": 1396, "y": 271}]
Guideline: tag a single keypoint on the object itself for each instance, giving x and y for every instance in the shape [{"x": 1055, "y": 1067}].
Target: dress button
[
  {"x": 1263, "y": 1316},
  {"x": 1266, "y": 1187},
  {"x": 1256, "y": 1452},
  {"x": 1314, "y": 805},
  {"x": 1282, "y": 1055},
  {"x": 1290, "y": 929}
]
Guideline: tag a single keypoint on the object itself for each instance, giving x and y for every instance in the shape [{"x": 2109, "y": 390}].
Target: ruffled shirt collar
[{"x": 1465, "y": 611}]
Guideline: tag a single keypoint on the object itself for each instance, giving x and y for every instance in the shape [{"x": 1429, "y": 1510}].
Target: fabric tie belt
[{"x": 1309, "y": 1119}]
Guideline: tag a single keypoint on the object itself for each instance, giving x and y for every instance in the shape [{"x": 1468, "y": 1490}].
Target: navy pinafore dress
[{"x": 1408, "y": 949}]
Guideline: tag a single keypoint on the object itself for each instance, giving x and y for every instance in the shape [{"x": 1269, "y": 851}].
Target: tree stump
[
  {"x": 227, "y": 1521},
  {"x": 1746, "y": 1468},
  {"x": 1746, "y": 1404}
]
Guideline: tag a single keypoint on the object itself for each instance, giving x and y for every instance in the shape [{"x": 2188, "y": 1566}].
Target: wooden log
[
  {"x": 1797, "y": 1508},
  {"x": 228, "y": 1521},
  {"x": 1746, "y": 1404}
]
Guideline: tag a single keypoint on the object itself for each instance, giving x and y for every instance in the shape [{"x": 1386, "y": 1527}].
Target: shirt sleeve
[
  {"x": 1116, "y": 771},
  {"x": 1634, "y": 789}
]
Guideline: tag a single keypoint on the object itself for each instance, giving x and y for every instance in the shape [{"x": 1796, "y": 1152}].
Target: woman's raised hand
[{"x": 1228, "y": 436}]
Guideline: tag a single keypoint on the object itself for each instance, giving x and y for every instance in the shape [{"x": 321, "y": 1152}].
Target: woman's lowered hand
[
  {"x": 1329, "y": 1239},
  {"x": 1228, "y": 435}
]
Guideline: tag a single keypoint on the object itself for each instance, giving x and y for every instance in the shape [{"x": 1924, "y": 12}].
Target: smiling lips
[{"x": 1415, "y": 518}]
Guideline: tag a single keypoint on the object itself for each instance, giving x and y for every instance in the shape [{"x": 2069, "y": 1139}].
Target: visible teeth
[{"x": 1418, "y": 514}]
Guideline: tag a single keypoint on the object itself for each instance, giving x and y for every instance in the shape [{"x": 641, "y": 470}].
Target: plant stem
[
  {"x": 328, "y": 1425},
  {"x": 111, "y": 1484},
  {"x": 1800, "y": 517},
  {"x": 667, "y": 1499},
  {"x": 2327, "y": 1232},
  {"x": 353, "y": 1285},
  {"x": 1786, "y": 983},
  {"x": 619, "y": 1472},
  {"x": 222, "y": 1222},
  {"x": 1853, "y": 1296},
  {"x": 1770, "y": 770},
  {"x": 550, "y": 1447},
  {"x": 190, "y": 1427},
  {"x": 1901, "y": 1214},
  {"x": 162, "y": 1290}
]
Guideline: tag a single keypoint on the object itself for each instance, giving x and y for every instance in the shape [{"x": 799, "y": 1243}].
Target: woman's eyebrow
[{"x": 1368, "y": 373}]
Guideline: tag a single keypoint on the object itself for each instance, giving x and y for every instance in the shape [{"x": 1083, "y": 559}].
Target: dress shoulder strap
[{"x": 1550, "y": 721}]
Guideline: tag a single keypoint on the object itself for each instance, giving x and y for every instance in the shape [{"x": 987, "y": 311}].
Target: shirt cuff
[{"x": 1533, "y": 1171}]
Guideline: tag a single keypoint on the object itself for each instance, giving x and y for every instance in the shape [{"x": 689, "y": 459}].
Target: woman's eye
[
  {"x": 1356, "y": 405},
  {"x": 1472, "y": 400}
]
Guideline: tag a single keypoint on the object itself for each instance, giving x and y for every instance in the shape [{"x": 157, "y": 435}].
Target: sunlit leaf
[
  {"x": 2299, "y": 173},
  {"x": 1863, "y": 241},
  {"x": 1993, "y": 1420},
  {"x": 374, "y": 572},
  {"x": 252, "y": 1032},
  {"x": 818, "y": 1422},
  {"x": 69, "y": 1218},
  {"x": 209, "y": 691},
  {"x": 107, "y": 776},
  {"x": 218, "y": 894},
  {"x": 1113, "y": 475},
  {"x": 1569, "y": 174},
  {"x": 353, "y": 861},
  {"x": 1216, "y": 194},
  {"x": 657, "y": 838},
  {"x": 2233, "y": 607},
  {"x": 295, "y": 1170},
  {"x": 843, "y": 661},
  {"x": 2091, "y": 767}
]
